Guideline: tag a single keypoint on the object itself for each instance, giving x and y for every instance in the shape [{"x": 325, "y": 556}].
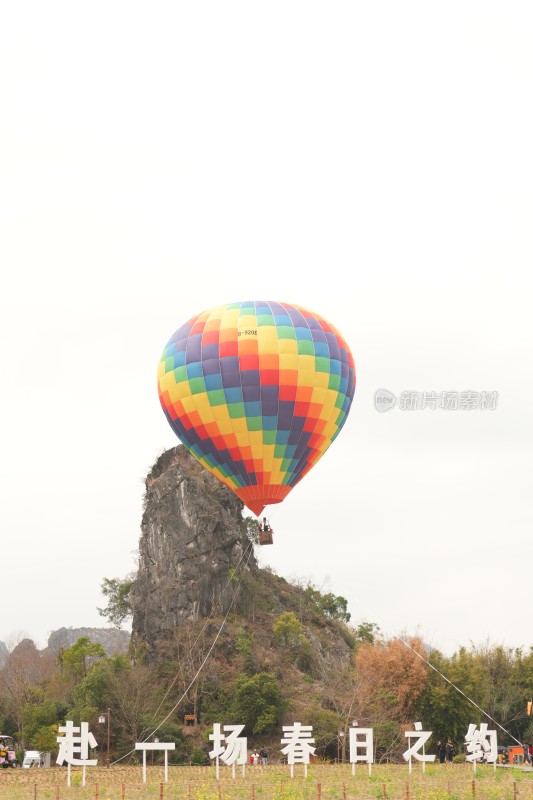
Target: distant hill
[{"x": 113, "y": 641}]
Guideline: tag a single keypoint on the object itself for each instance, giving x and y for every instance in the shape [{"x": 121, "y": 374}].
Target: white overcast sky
[{"x": 370, "y": 161}]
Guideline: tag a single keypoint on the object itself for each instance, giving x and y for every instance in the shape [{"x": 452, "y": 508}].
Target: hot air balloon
[{"x": 257, "y": 391}]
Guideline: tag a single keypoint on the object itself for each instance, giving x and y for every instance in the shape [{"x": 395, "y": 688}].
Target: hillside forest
[{"x": 274, "y": 662}]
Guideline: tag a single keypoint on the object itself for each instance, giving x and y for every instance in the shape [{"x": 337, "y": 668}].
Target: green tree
[
  {"x": 523, "y": 680},
  {"x": 367, "y": 632},
  {"x": 91, "y": 695},
  {"x": 333, "y": 606},
  {"x": 198, "y": 757},
  {"x": 134, "y": 697},
  {"x": 325, "y": 730},
  {"x": 40, "y": 721},
  {"x": 258, "y": 703},
  {"x": 45, "y": 738},
  {"x": 75, "y": 661},
  {"x": 448, "y": 710},
  {"x": 244, "y": 646},
  {"x": 506, "y": 687},
  {"x": 389, "y": 740},
  {"x": 118, "y": 608},
  {"x": 287, "y": 629},
  {"x": 252, "y": 529},
  {"x": 288, "y": 633}
]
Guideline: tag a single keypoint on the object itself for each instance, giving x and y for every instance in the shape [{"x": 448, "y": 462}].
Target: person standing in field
[{"x": 450, "y": 751}]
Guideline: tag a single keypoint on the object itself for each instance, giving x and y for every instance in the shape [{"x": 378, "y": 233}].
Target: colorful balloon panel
[{"x": 257, "y": 391}]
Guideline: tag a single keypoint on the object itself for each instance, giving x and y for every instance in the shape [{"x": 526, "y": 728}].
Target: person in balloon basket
[{"x": 263, "y": 525}]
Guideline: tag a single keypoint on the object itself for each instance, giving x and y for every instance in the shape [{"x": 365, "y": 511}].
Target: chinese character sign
[
  {"x": 228, "y": 746},
  {"x": 482, "y": 744},
  {"x": 76, "y": 741},
  {"x": 361, "y": 745},
  {"x": 298, "y": 741},
  {"x": 413, "y": 751}
]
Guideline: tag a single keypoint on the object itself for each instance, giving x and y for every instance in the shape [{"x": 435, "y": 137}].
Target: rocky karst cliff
[
  {"x": 193, "y": 535},
  {"x": 195, "y": 561}
]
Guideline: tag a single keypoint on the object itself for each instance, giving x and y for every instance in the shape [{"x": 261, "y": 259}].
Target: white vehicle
[{"x": 32, "y": 758}]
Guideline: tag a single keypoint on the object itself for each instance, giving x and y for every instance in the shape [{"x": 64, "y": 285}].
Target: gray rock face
[
  {"x": 4, "y": 652},
  {"x": 193, "y": 535}
]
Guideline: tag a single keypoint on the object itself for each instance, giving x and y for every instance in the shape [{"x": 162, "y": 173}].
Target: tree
[
  {"x": 333, "y": 606},
  {"x": 390, "y": 678},
  {"x": 252, "y": 529},
  {"x": 449, "y": 711},
  {"x": 182, "y": 669},
  {"x": 325, "y": 730},
  {"x": 287, "y": 629},
  {"x": 26, "y": 668},
  {"x": 91, "y": 694},
  {"x": 134, "y": 696},
  {"x": 258, "y": 703},
  {"x": 75, "y": 660},
  {"x": 366, "y": 632},
  {"x": 288, "y": 633},
  {"x": 505, "y": 688},
  {"x": 342, "y": 692},
  {"x": 493, "y": 676},
  {"x": 40, "y": 724},
  {"x": 389, "y": 740},
  {"x": 118, "y": 608}
]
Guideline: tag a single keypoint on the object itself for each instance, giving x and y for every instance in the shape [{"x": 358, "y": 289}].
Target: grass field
[{"x": 324, "y": 782}]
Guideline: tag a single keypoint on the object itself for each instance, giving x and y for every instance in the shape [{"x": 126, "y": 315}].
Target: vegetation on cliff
[
  {"x": 279, "y": 658},
  {"x": 216, "y": 639}
]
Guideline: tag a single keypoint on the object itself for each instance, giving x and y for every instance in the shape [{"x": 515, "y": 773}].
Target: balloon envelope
[{"x": 257, "y": 391}]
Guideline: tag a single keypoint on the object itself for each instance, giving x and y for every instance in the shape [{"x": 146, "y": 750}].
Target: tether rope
[
  {"x": 208, "y": 619},
  {"x": 195, "y": 678},
  {"x": 433, "y": 667},
  {"x": 452, "y": 684}
]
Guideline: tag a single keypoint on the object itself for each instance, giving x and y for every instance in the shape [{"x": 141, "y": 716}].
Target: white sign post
[
  {"x": 298, "y": 743},
  {"x": 413, "y": 751},
  {"x": 362, "y": 747},
  {"x": 144, "y": 746},
  {"x": 229, "y": 746},
  {"x": 76, "y": 740},
  {"x": 481, "y": 744}
]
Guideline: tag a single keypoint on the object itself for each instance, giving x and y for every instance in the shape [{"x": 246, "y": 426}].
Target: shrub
[
  {"x": 287, "y": 629},
  {"x": 198, "y": 757},
  {"x": 258, "y": 703}
]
